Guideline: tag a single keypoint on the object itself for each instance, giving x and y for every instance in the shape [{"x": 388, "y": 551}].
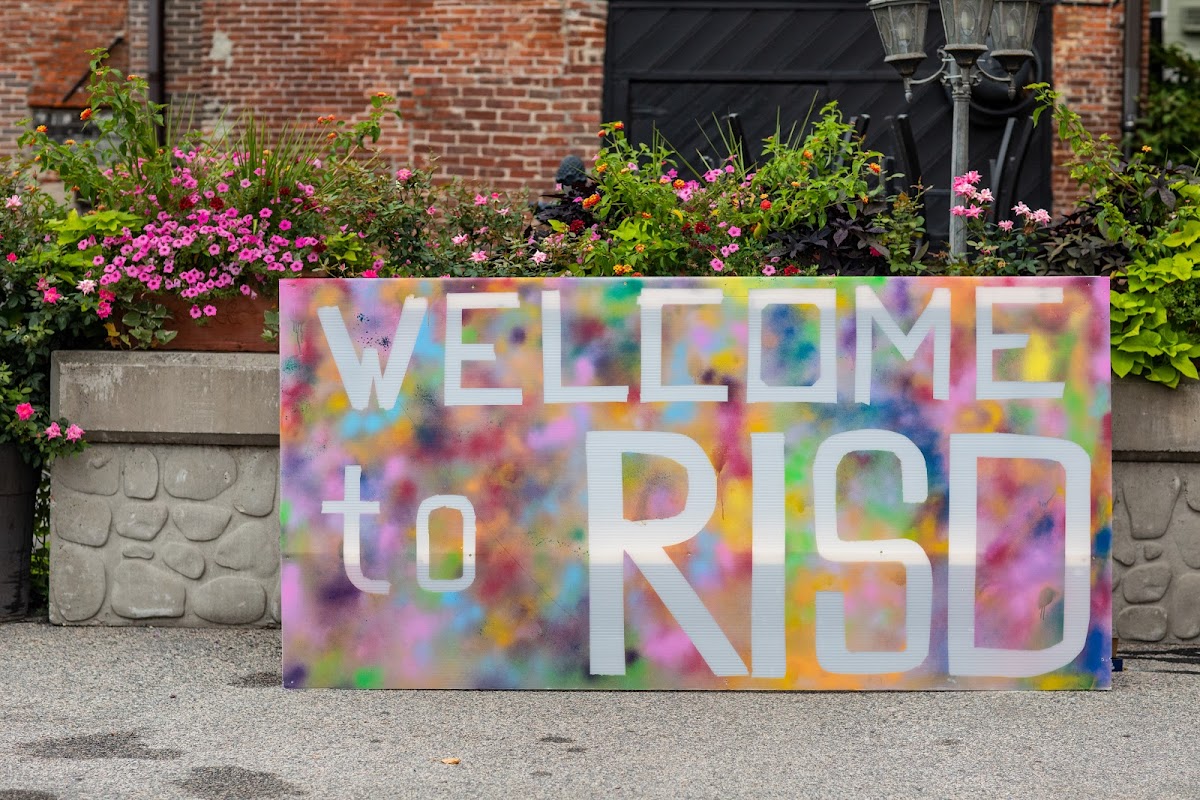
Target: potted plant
[{"x": 40, "y": 311}]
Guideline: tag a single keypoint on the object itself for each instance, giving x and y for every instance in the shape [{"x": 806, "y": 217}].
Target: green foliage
[{"x": 1171, "y": 127}]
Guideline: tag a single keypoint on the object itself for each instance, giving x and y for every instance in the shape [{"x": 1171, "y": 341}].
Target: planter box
[{"x": 171, "y": 517}]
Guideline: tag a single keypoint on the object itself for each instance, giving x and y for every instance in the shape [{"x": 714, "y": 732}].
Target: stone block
[
  {"x": 139, "y": 520},
  {"x": 80, "y": 518},
  {"x": 141, "y": 591},
  {"x": 141, "y": 474},
  {"x": 185, "y": 559},
  {"x": 250, "y": 546},
  {"x": 77, "y": 583},
  {"x": 199, "y": 473},
  {"x": 230, "y": 601},
  {"x": 138, "y": 551},
  {"x": 1147, "y": 583},
  {"x": 199, "y": 522},
  {"x": 1148, "y": 418},
  {"x": 256, "y": 488},
  {"x": 1142, "y": 623},
  {"x": 169, "y": 397},
  {"x": 1185, "y": 607},
  {"x": 91, "y": 472}
]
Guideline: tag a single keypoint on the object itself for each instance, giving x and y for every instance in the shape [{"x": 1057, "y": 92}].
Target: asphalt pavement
[{"x": 164, "y": 713}]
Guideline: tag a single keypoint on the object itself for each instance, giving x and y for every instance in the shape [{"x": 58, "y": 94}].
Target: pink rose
[
  {"x": 53, "y": 432},
  {"x": 24, "y": 411},
  {"x": 74, "y": 433}
]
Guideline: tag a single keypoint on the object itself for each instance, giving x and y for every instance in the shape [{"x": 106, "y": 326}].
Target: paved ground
[{"x": 155, "y": 713}]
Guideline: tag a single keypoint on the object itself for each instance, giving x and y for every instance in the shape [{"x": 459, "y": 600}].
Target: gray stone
[
  {"x": 94, "y": 471},
  {"x": 1185, "y": 607},
  {"x": 199, "y": 473},
  {"x": 138, "y": 551},
  {"x": 169, "y": 397},
  {"x": 248, "y": 546},
  {"x": 1193, "y": 493},
  {"x": 1123, "y": 549},
  {"x": 141, "y": 474},
  {"x": 256, "y": 489},
  {"x": 78, "y": 584},
  {"x": 140, "y": 520},
  {"x": 273, "y": 602},
  {"x": 1142, "y": 623},
  {"x": 200, "y": 523},
  {"x": 230, "y": 601},
  {"x": 81, "y": 518},
  {"x": 1152, "y": 550},
  {"x": 1185, "y": 532},
  {"x": 141, "y": 591},
  {"x": 1150, "y": 418},
  {"x": 185, "y": 559},
  {"x": 1150, "y": 494},
  {"x": 1147, "y": 583}
]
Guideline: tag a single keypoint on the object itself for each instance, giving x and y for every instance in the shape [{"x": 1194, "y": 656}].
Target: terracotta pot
[
  {"x": 237, "y": 327},
  {"x": 18, "y": 491}
]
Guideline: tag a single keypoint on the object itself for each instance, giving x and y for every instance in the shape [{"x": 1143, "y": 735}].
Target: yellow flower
[
  {"x": 1146, "y": 148},
  {"x": 41, "y": 128},
  {"x": 601, "y": 167}
]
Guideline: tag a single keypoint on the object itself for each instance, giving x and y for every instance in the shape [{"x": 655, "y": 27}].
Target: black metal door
[{"x": 679, "y": 65}]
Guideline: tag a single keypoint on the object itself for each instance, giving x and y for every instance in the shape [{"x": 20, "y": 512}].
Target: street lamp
[{"x": 967, "y": 23}]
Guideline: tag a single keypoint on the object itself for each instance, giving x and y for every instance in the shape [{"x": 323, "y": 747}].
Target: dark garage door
[{"x": 677, "y": 65}]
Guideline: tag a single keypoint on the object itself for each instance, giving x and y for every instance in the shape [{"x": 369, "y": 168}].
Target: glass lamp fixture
[
  {"x": 1013, "y": 26},
  {"x": 901, "y": 25},
  {"x": 966, "y": 24}
]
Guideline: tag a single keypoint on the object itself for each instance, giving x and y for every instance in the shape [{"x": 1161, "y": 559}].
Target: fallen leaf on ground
[{"x": 451, "y": 760}]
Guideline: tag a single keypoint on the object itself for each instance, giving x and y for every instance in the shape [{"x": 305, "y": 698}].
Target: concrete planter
[{"x": 171, "y": 517}]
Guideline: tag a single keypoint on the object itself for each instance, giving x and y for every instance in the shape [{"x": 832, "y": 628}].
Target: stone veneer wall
[
  {"x": 1156, "y": 512},
  {"x": 171, "y": 517}
]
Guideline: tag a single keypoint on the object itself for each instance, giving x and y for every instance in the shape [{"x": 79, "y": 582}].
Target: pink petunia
[
  {"x": 53, "y": 432},
  {"x": 245, "y": 184},
  {"x": 210, "y": 311},
  {"x": 370, "y": 273},
  {"x": 768, "y": 270},
  {"x": 734, "y": 231},
  {"x": 24, "y": 411},
  {"x": 196, "y": 312},
  {"x": 264, "y": 214},
  {"x": 717, "y": 264},
  {"x": 285, "y": 225},
  {"x": 74, "y": 433}
]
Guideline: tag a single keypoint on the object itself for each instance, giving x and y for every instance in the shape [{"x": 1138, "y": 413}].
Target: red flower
[
  {"x": 576, "y": 225},
  {"x": 216, "y": 204},
  {"x": 765, "y": 205},
  {"x": 702, "y": 227}
]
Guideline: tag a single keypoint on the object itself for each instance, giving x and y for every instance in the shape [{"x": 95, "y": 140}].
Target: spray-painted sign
[{"x": 696, "y": 483}]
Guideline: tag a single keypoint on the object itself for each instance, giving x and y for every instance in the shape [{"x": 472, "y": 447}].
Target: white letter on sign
[
  {"x": 832, "y": 653},
  {"x": 987, "y": 342},
  {"x": 965, "y": 657},
  {"x": 652, "y": 302},
  {"x": 463, "y": 506},
  {"x": 457, "y": 351},
  {"x": 554, "y": 391},
  {"x": 935, "y": 318},
  {"x": 359, "y": 376},
  {"x": 825, "y": 388},
  {"x": 611, "y": 537}
]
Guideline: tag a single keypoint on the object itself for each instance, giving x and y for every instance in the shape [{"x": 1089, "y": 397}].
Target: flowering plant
[{"x": 41, "y": 310}]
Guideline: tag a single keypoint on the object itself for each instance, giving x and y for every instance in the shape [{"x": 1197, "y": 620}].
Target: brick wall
[{"x": 1089, "y": 45}]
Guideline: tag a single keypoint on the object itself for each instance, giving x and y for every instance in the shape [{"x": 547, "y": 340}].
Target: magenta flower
[
  {"x": 11, "y": 257},
  {"x": 50, "y": 295},
  {"x": 717, "y": 264},
  {"x": 403, "y": 174},
  {"x": 264, "y": 214},
  {"x": 285, "y": 225},
  {"x": 370, "y": 273},
  {"x": 734, "y": 231},
  {"x": 24, "y": 411},
  {"x": 210, "y": 311},
  {"x": 196, "y": 312},
  {"x": 53, "y": 432},
  {"x": 74, "y": 433},
  {"x": 222, "y": 187}
]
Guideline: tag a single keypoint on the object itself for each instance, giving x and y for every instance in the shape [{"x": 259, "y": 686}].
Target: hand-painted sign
[{"x": 696, "y": 483}]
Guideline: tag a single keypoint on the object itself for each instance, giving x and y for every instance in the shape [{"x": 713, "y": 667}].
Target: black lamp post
[{"x": 967, "y": 23}]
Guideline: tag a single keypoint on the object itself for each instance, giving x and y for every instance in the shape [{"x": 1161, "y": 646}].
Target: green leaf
[{"x": 1122, "y": 362}]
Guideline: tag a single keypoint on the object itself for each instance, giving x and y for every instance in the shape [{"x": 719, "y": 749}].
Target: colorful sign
[{"x": 696, "y": 483}]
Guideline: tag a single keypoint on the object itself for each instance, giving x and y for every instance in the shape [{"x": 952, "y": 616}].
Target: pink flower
[
  {"x": 768, "y": 270},
  {"x": 539, "y": 257},
  {"x": 479, "y": 255},
  {"x": 460, "y": 239},
  {"x": 222, "y": 187},
  {"x": 50, "y": 295},
  {"x": 959, "y": 211},
  {"x": 210, "y": 311},
  {"x": 370, "y": 273},
  {"x": 74, "y": 433},
  {"x": 403, "y": 174},
  {"x": 86, "y": 286},
  {"x": 196, "y": 312},
  {"x": 285, "y": 225},
  {"x": 104, "y": 309},
  {"x": 432, "y": 210},
  {"x": 1005, "y": 225},
  {"x": 98, "y": 261},
  {"x": 53, "y": 432},
  {"x": 973, "y": 211},
  {"x": 11, "y": 257},
  {"x": 24, "y": 411},
  {"x": 1041, "y": 216},
  {"x": 13, "y": 202},
  {"x": 717, "y": 264},
  {"x": 1022, "y": 209},
  {"x": 480, "y": 200},
  {"x": 972, "y": 177},
  {"x": 264, "y": 214},
  {"x": 245, "y": 184},
  {"x": 734, "y": 231},
  {"x": 984, "y": 196}
]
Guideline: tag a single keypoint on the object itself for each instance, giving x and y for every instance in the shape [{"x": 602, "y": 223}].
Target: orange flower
[
  {"x": 678, "y": 184},
  {"x": 41, "y": 128},
  {"x": 647, "y": 215},
  {"x": 132, "y": 77},
  {"x": 601, "y": 167},
  {"x": 808, "y": 154},
  {"x": 618, "y": 126},
  {"x": 602, "y": 134},
  {"x": 86, "y": 114},
  {"x": 875, "y": 168},
  {"x": 590, "y": 202},
  {"x": 382, "y": 94}
]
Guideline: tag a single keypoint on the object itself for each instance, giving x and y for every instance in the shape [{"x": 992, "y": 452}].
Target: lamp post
[{"x": 967, "y": 23}]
